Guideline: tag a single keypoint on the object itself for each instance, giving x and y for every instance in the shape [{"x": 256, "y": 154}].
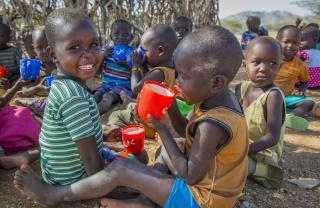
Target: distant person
[
  {"x": 254, "y": 30},
  {"x": 264, "y": 109},
  {"x": 310, "y": 55},
  {"x": 292, "y": 68},
  {"x": 116, "y": 74},
  {"x": 182, "y": 25},
  {"x": 211, "y": 170}
]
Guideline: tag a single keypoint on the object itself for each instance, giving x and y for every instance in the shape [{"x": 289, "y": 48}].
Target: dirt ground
[{"x": 300, "y": 160}]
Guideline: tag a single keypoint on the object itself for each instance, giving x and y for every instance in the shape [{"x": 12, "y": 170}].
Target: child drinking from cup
[
  {"x": 292, "y": 68},
  {"x": 116, "y": 73},
  {"x": 19, "y": 132},
  {"x": 310, "y": 55},
  {"x": 71, "y": 136},
  {"x": 261, "y": 99},
  {"x": 212, "y": 169},
  {"x": 9, "y": 57}
]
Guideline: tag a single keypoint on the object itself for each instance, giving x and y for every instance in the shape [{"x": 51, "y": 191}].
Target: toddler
[
  {"x": 292, "y": 68},
  {"x": 254, "y": 30},
  {"x": 212, "y": 168},
  {"x": 116, "y": 74},
  {"x": 261, "y": 99},
  {"x": 310, "y": 55}
]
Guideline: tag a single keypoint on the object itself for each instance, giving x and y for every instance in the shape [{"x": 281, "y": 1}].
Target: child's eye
[
  {"x": 272, "y": 63},
  {"x": 256, "y": 62},
  {"x": 94, "y": 45},
  {"x": 75, "y": 47}
]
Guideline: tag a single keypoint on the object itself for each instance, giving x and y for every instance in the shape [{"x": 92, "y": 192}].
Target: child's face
[
  {"x": 263, "y": 62},
  {"x": 290, "y": 42},
  {"x": 253, "y": 25},
  {"x": 182, "y": 28},
  {"x": 120, "y": 34},
  {"x": 307, "y": 41},
  {"x": 152, "y": 52},
  {"x": 77, "y": 51},
  {"x": 4, "y": 38},
  {"x": 40, "y": 45}
]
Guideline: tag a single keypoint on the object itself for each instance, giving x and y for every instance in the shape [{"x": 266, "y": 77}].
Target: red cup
[
  {"x": 154, "y": 99},
  {"x": 175, "y": 90},
  {"x": 133, "y": 139},
  {"x": 3, "y": 70}
]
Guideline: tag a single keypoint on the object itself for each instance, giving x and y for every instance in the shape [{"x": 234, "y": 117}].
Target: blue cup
[
  {"x": 29, "y": 68},
  {"x": 119, "y": 52},
  {"x": 142, "y": 52},
  {"x": 49, "y": 80}
]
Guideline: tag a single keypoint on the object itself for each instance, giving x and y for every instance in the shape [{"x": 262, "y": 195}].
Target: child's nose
[{"x": 87, "y": 53}]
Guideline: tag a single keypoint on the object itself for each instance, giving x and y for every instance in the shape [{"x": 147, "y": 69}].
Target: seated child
[
  {"x": 310, "y": 55},
  {"x": 159, "y": 41},
  {"x": 261, "y": 99},
  {"x": 19, "y": 138},
  {"x": 292, "y": 68},
  {"x": 71, "y": 136},
  {"x": 116, "y": 74},
  {"x": 254, "y": 30},
  {"x": 9, "y": 57},
  {"x": 36, "y": 95},
  {"x": 212, "y": 169}
]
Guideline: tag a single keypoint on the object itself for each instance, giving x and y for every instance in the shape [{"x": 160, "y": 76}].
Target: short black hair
[
  {"x": 61, "y": 18},
  {"x": 313, "y": 31},
  {"x": 281, "y": 30},
  {"x": 215, "y": 50},
  {"x": 6, "y": 29},
  {"x": 184, "y": 18},
  {"x": 263, "y": 39},
  {"x": 251, "y": 18},
  {"x": 121, "y": 21},
  {"x": 314, "y": 25}
]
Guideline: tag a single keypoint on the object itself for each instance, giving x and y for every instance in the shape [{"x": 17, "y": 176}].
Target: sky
[{"x": 230, "y": 7}]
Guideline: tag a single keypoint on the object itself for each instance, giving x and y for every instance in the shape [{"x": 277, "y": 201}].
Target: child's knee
[
  {"x": 308, "y": 104},
  {"x": 111, "y": 96}
]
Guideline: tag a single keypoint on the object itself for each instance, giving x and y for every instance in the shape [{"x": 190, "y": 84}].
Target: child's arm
[
  {"x": 178, "y": 121},
  {"x": 208, "y": 136},
  {"x": 5, "y": 99},
  {"x": 274, "y": 106},
  {"x": 90, "y": 156},
  {"x": 302, "y": 89},
  {"x": 30, "y": 91},
  {"x": 237, "y": 91}
]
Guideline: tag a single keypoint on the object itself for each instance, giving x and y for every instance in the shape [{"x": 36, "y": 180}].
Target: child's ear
[
  {"x": 51, "y": 55},
  {"x": 218, "y": 82},
  {"x": 161, "y": 50},
  {"x": 244, "y": 64}
]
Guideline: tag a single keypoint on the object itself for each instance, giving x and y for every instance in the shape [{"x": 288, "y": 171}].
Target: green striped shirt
[
  {"x": 71, "y": 114},
  {"x": 10, "y": 58}
]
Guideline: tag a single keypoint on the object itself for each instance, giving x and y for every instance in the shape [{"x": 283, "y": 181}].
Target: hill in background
[{"x": 274, "y": 17}]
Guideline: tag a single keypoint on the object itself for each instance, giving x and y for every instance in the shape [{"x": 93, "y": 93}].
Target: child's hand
[
  {"x": 154, "y": 123},
  {"x": 108, "y": 52},
  {"x": 298, "y": 93},
  {"x": 122, "y": 63},
  {"x": 112, "y": 135},
  {"x": 41, "y": 86},
  {"x": 21, "y": 82},
  {"x": 136, "y": 59}
]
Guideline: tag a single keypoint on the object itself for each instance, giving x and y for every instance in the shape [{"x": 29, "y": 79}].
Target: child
[
  {"x": 261, "y": 99},
  {"x": 212, "y": 169},
  {"x": 19, "y": 132},
  {"x": 310, "y": 55},
  {"x": 71, "y": 136},
  {"x": 9, "y": 57},
  {"x": 254, "y": 30},
  {"x": 116, "y": 73},
  {"x": 292, "y": 69},
  {"x": 182, "y": 26},
  {"x": 34, "y": 97}
]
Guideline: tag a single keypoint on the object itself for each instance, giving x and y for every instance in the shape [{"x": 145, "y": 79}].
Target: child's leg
[
  {"x": 13, "y": 161},
  {"x": 97, "y": 95},
  {"x": 303, "y": 108},
  {"x": 150, "y": 182},
  {"x": 126, "y": 98},
  {"x": 107, "y": 100}
]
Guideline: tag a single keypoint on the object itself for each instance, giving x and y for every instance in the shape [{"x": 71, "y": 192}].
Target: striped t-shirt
[
  {"x": 70, "y": 115},
  {"x": 10, "y": 57}
]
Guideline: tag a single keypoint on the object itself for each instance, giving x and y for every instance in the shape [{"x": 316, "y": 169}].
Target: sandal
[{"x": 296, "y": 123}]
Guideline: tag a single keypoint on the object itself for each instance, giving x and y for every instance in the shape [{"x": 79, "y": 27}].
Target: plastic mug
[
  {"x": 3, "y": 70},
  {"x": 155, "y": 99},
  {"x": 133, "y": 139},
  {"x": 28, "y": 68},
  {"x": 142, "y": 52},
  {"x": 119, "y": 52},
  {"x": 175, "y": 90},
  {"x": 49, "y": 80}
]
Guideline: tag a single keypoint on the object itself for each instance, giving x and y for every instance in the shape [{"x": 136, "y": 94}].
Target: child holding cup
[
  {"x": 210, "y": 172},
  {"x": 116, "y": 73}
]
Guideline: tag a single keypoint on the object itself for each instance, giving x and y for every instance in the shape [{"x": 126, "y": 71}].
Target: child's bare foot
[
  {"x": 13, "y": 161},
  {"x": 316, "y": 109},
  {"x": 130, "y": 203},
  {"x": 111, "y": 133},
  {"x": 126, "y": 99},
  {"x": 33, "y": 186}
]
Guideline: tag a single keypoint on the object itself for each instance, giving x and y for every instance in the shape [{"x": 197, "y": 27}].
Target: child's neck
[
  {"x": 61, "y": 72},
  {"x": 5, "y": 47},
  {"x": 287, "y": 59},
  {"x": 167, "y": 63},
  {"x": 223, "y": 98},
  {"x": 263, "y": 88}
]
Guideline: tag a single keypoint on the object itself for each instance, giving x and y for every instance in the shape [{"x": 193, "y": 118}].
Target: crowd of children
[{"x": 225, "y": 136}]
